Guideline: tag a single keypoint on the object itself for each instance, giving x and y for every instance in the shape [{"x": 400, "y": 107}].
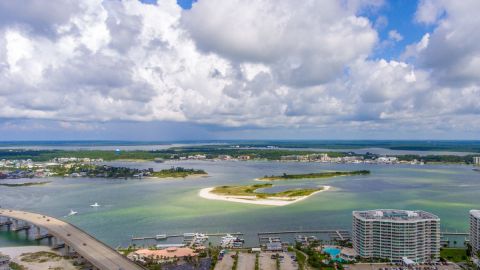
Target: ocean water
[{"x": 153, "y": 206}]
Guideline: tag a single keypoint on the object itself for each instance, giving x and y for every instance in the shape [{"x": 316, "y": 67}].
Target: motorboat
[
  {"x": 95, "y": 205},
  {"x": 200, "y": 238},
  {"x": 231, "y": 241}
]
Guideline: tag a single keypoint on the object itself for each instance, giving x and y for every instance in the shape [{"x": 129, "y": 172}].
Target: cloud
[
  {"x": 237, "y": 64},
  {"x": 452, "y": 50},
  {"x": 297, "y": 41},
  {"x": 380, "y": 23},
  {"x": 394, "y": 35},
  {"x": 429, "y": 11}
]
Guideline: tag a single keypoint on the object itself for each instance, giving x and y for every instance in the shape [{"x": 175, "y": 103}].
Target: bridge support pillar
[
  {"x": 9, "y": 225},
  {"x": 38, "y": 232},
  {"x": 54, "y": 242},
  {"x": 66, "y": 250},
  {"x": 15, "y": 224},
  {"x": 27, "y": 230}
]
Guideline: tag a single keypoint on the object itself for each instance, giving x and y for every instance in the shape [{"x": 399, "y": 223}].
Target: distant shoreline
[
  {"x": 326, "y": 174},
  {"x": 206, "y": 193}
]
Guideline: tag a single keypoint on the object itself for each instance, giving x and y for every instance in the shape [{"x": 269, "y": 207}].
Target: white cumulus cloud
[{"x": 270, "y": 63}]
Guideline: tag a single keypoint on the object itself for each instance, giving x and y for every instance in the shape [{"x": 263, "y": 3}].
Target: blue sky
[{"x": 272, "y": 69}]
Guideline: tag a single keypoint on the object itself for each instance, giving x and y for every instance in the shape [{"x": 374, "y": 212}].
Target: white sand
[
  {"x": 272, "y": 201},
  {"x": 16, "y": 252}
]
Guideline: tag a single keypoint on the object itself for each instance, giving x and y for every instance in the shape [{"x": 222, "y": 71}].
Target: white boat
[
  {"x": 229, "y": 240},
  {"x": 95, "y": 205},
  {"x": 72, "y": 213},
  {"x": 160, "y": 236},
  {"x": 200, "y": 238}
]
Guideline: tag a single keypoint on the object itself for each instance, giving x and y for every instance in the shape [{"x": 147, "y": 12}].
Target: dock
[
  {"x": 140, "y": 238},
  {"x": 455, "y": 233},
  {"x": 336, "y": 232}
]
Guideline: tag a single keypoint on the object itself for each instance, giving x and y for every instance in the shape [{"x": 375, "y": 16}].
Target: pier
[
  {"x": 140, "y": 238},
  {"x": 454, "y": 233},
  {"x": 336, "y": 232}
]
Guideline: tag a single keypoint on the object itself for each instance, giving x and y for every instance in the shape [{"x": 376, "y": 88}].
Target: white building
[
  {"x": 475, "y": 230},
  {"x": 387, "y": 160},
  {"x": 476, "y": 160},
  {"x": 396, "y": 235}
]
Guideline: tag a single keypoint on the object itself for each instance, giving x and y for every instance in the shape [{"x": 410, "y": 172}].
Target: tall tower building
[
  {"x": 475, "y": 230},
  {"x": 396, "y": 234}
]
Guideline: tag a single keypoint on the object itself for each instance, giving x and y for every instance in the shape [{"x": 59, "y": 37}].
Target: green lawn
[
  {"x": 454, "y": 254},
  {"x": 251, "y": 191}
]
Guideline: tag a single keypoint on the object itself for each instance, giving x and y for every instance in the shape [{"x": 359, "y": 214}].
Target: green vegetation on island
[
  {"x": 313, "y": 175},
  {"x": 24, "y": 184},
  {"x": 246, "y": 151},
  {"x": 40, "y": 257},
  {"x": 104, "y": 171},
  {"x": 177, "y": 172},
  {"x": 173, "y": 153},
  {"x": 251, "y": 190},
  {"x": 16, "y": 266}
]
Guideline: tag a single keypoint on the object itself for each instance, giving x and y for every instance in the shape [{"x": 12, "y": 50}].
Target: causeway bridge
[{"x": 69, "y": 237}]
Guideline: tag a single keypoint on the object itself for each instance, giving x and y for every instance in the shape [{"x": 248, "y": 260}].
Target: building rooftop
[
  {"x": 475, "y": 213},
  {"x": 171, "y": 252},
  {"x": 394, "y": 215}
]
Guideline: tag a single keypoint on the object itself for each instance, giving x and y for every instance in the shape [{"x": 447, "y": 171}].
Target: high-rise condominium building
[
  {"x": 476, "y": 160},
  {"x": 396, "y": 235},
  {"x": 475, "y": 230}
]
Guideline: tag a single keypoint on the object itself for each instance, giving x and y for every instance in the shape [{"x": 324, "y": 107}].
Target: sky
[{"x": 239, "y": 69}]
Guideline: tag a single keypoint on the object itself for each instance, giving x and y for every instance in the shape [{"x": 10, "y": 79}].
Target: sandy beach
[
  {"x": 270, "y": 201},
  {"x": 16, "y": 254}
]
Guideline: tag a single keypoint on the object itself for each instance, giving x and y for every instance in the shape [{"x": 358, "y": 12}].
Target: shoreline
[
  {"x": 206, "y": 193},
  {"x": 198, "y": 175},
  {"x": 16, "y": 254}
]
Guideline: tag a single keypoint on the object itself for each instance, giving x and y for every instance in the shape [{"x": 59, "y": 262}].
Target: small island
[
  {"x": 312, "y": 175},
  {"x": 92, "y": 170},
  {"x": 249, "y": 194},
  {"x": 104, "y": 171},
  {"x": 177, "y": 172},
  {"x": 24, "y": 184}
]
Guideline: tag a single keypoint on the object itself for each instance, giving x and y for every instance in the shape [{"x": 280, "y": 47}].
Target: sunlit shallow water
[{"x": 149, "y": 207}]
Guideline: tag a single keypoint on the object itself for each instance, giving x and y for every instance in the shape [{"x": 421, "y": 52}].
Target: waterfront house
[
  {"x": 274, "y": 246},
  {"x": 171, "y": 254}
]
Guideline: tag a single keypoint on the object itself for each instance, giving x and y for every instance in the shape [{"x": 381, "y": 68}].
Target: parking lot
[
  {"x": 226, "y": 263},
  {"x": 287, "y": 262},
  {"x": 384, "y": 266},
  {"x": 246, "y": 261},
  {"x": 266, "y": 262}
]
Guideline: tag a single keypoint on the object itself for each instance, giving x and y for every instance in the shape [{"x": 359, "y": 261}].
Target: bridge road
[{"x": 97, "y": 253}]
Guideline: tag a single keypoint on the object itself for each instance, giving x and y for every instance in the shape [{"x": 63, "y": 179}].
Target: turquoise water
[
  {"x": 334, "y": 252},
  {"x": 172, "y": 206}
]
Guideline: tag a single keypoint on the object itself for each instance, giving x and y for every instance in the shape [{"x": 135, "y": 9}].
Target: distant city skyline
[{"x": 172, "y": 70}]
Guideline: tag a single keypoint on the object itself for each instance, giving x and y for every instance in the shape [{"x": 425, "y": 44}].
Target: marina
[{"x": 185, "y": 235}]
